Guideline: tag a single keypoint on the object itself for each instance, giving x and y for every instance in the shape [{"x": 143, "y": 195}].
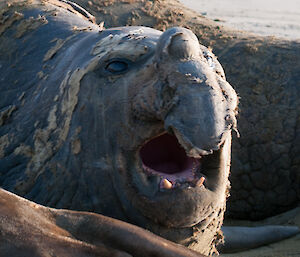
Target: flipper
[{"x": 242, "y": 238}]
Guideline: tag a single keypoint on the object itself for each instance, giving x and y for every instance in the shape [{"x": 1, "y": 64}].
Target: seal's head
[
  {"x": 165, "y": 114},
  {"x": 132, "y": 123}
]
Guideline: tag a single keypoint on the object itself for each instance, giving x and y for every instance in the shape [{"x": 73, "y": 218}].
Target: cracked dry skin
[
  {"x": 265, "y": 72},
  {"x": 128, "y": 122}
]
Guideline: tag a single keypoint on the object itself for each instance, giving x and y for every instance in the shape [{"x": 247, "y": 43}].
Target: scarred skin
[
  {"x": 265, "y": 72},
  {"x": 79, "y": 105}
]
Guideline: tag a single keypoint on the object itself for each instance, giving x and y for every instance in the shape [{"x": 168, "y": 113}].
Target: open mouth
[
  {"x": 163, "y": 156},
  {"x": 174, "y": 188}
]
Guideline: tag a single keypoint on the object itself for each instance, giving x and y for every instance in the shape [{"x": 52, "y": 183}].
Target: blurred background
[{"x": 279, "y": 18}]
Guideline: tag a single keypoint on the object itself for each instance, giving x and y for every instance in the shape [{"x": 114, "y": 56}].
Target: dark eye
[
  {"x": 116, "y": 66},
  {"x": 209, "y": 60}
]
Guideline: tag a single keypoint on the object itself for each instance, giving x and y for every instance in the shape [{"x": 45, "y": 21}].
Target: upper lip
[{"x": 190, "y": 149}]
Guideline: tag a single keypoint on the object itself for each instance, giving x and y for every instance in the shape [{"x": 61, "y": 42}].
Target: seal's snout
[
  {"x": 179, "y": 43},
  {"x": 190, "y": 94}
]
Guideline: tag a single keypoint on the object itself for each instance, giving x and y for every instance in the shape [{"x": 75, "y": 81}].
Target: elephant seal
[
  {"x": 265, "y": 73},
  {"x": 129, "y": 122}
]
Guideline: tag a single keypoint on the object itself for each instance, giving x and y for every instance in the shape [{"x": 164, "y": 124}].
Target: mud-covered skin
[
  {"x": 79, "y": 103},
  {"x": 265, "y": 73}
]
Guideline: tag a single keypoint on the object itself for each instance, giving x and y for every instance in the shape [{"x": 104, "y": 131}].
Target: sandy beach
[{"x": 264, "y": 17}]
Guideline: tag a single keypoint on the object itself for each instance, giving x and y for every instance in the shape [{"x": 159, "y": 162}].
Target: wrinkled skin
[
  {"x": 85, "y": 112},
  {"x": 265, "y": 73}
]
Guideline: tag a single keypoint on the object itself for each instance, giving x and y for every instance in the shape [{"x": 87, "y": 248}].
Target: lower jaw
[
  {"x": 187, "y": 204},
  {"x": 206, "y": 235},
  {"x": 202, "y": 237}
]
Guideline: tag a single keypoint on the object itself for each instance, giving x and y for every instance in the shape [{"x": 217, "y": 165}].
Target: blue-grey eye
[
  {"x": 209, "y": 59},
  {"x": 116, "y": 66}
]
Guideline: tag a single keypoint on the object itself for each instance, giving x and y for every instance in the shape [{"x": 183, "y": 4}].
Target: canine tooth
[
  {"x": 200, "y": 181},
  {"x": 166, "y": 184}
]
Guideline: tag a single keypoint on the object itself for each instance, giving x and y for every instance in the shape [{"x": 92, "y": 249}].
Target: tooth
[
  {"x": 166, "y": 184},
  {"x": 200, "y": 181}
]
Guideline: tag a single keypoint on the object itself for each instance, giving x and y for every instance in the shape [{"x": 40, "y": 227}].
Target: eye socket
[{"x": 116, "y": 66}]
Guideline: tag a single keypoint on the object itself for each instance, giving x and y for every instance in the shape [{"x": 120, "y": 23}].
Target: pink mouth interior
[{"x": 164, "y": 155}]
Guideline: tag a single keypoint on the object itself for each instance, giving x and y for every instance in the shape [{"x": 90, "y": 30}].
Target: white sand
[{"x": 279, "y": 18}]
